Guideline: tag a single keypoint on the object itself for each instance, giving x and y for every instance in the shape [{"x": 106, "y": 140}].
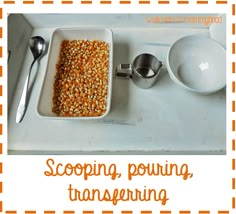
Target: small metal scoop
[{"x": 37, "y": 46}]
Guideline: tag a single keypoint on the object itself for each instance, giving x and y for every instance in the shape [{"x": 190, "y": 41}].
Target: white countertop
[{"x": 162, "y": 120}]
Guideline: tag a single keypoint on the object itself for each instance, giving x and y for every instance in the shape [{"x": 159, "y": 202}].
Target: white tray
[{"x": 162, "y": 120}]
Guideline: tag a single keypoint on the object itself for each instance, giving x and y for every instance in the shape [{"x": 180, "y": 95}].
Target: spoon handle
[{"x": 24, "y": 97}]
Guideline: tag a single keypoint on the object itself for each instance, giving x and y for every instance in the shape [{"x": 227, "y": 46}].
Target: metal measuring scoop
[{"x": 37, "y": 46}]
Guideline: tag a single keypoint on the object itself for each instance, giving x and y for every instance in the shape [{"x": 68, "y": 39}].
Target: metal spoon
[{"x": 37, "y": 46}]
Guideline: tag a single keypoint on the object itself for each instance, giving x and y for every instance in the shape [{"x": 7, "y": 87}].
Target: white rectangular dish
[{"x": 45, "y": 102}]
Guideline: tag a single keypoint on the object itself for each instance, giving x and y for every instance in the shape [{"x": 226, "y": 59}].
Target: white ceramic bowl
[
  {"x": 197, "y": 63},
  {"x": 45, "y": 102}
]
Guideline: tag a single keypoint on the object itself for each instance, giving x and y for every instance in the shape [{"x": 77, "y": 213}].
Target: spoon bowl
[{"x": 37, "y": 46}]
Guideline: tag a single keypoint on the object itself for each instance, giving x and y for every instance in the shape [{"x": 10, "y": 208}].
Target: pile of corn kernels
[{"x": 81, "y": 80}]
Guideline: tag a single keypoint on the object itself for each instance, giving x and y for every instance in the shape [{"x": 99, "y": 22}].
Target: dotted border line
[
  {"x": 233, "y": 108},
  {"x": 124, "y": 2},
  {"x": 161, "y": 2},
  {"x": 122, "y": 212}
]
